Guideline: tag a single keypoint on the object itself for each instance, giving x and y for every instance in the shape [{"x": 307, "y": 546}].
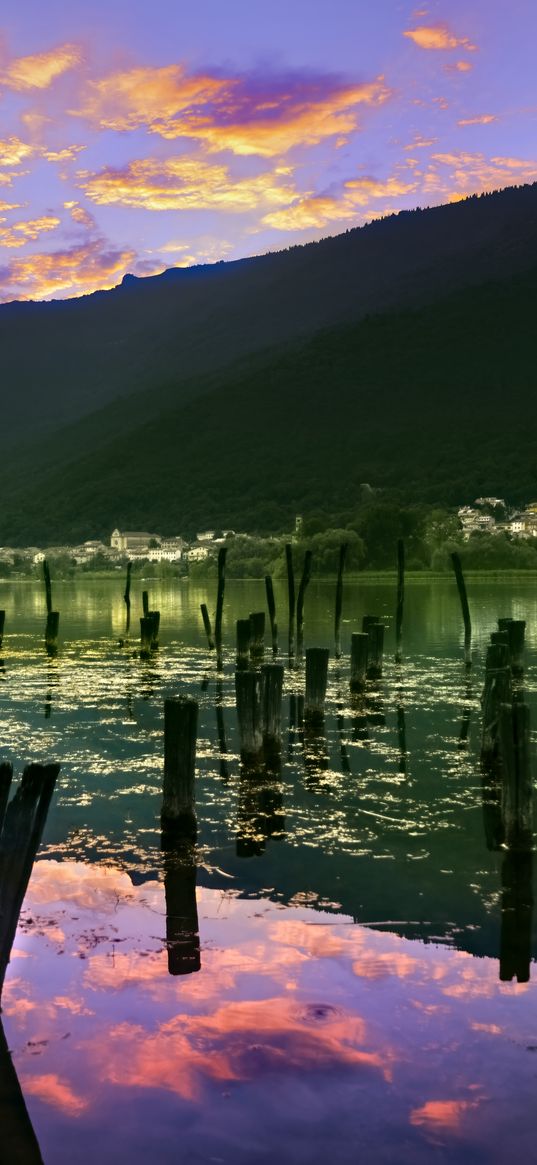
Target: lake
[{"x": 342, "y": 967}]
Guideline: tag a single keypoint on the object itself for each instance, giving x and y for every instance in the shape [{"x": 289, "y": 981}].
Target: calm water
[{"x": 359, "y": 942}]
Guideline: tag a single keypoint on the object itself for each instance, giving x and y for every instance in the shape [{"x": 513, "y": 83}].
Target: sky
[{"x": 138, "y": 136}]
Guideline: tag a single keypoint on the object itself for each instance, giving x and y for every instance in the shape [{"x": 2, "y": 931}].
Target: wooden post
[
  {"x": 6, "y": 776},
  {"x": 257, "y": 636},
  {"x": 207, "y": 624},
  {"x": 146, "y": 636},
  {"x": 48, "y": 585},
  {"x": 2, "y": 625},
  {"x": 306, "y": 575},
  {"x": 248, "y": 691},
  {"x": 291, "y": 597},
  {"x": 515, "y": 631},
  {"x": 316, "y": 683},
  {"x": 339, "y": 597},
  {"x": 220, "y": 604},
  {"x": 154, "y": 616},
  {"x": 461, "y": 587},
  {"x": 517, "y": 809},
  {"x": 272, "y": 686},
  {"x": 359, "y": 656},
  {"x": 145, "y": 603},
  {"x": 272, "y": 613},
  {"x": 400, "y": 600},
  {"x": 221, "y": 729},
  {"x": 51, "y": 632},
  {"x": 375, "y": 634},
  {"x": 497, "y": 691},
  {"x": 127, "y": 598},
  {"x": 243, "y": 643},
  {"x": 21, "y": 835},
  {"x": 180, "y": 732},
  {"x": 368, "y": 621}
]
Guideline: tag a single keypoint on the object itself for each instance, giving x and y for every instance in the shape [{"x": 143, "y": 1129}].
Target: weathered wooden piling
[
  {"x": 48, "y": 586},
  {"x": 221, "y": 730},
  {"x": 243, "y": 643},
  {"x": 257, "y": 636},
  {"x": 305, "y": 578},
  {"x": 272, "y": 613},
  {"x": 2, "y": 625},
  {"x": 207, "y": 625},
  {"x": 461, "y": 587},
  {"x": 146, "y": 635},
  {"x": 400, "y": 601},
  {"x": 516, "y": 798},
  {"x": 180, "y": 733},
  {"x": 339, "y": 597},
  {"x": 515, "y": 630},
  {"x": 517, "y": 916},
  {"x": 220, "y": 604},
  {"x": 248, "y": 692},
  {"x": 182, "y": 926},
  {"x": 145, "y": 603},
  {"x": 401, "y": 737},
  {"x": 359, "y": 657},
  {"x": 155, "y": 620},
  {"x": 24, "y": 822},
  {"x": 496, "y": 692},
  {"x": 51, "y": 631},
  {"x": 291, "y": 597},
  {"x": 316, "y": 683},
  {"x": 6, "y": 776},
  {"x": 375, "y": 633},
  {"x": 272, "y": 687},
  {"x": 127, "y": 598}
]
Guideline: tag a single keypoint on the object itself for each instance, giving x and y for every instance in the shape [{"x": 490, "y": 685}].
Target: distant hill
[
  {"x": 63, "y": 360},
  {"x": 435, "y": 404}
]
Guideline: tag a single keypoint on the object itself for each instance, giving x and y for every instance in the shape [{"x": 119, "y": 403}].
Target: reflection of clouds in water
[
  {"x": 442, "y": 1115},
  {"x": 56, "y": 1092}
]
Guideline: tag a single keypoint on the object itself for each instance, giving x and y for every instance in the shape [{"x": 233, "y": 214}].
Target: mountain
[
  {"x": 62, "y": 361},
  {"x": 434, "y": 404}
]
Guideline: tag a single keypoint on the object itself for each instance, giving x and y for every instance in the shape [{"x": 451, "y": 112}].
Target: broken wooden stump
[
  {"x": 207, "y": 625},
  {"x": 272, "y": 687},
  {"x": 316, "y": 683},
  {"x": 291, "y": 598},
  {"x": 515, "y": 630},
  {"x": 304, "y": 581},
  {"x": 248, "y": 691},
  {"x": 257, "y": 637},
  {"x": 154, "y": 616},
  {"x": 269, "y": 589},
  {"x": 516, "y": 792},
  {"x": 146, "y": 636},
  {"x": 359, "y": 657},
  {"x": 375, "y": 650},
  {"x": 180, "y": 734},
  {"x": 339, "y": 597},
  {"x": 51, "y": 632},
  {"x": 145, "y": 603},
  {"x": 243, "y": 644}
]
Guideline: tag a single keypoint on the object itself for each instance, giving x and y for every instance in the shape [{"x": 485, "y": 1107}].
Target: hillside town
[{"x": 486, "y": 515}]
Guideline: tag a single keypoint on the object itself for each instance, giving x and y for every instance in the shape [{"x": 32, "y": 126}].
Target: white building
[{"x": 136, "y": 540}]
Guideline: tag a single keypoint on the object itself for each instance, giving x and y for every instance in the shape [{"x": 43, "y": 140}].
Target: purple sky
[{"x": 135, "y": 137}]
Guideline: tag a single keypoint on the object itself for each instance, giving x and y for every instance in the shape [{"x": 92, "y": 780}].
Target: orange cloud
[
  {"x": 23, "y": 232},
  {"x": 55, "y": 1092},
  {"x": 76, "y": 270},
  {"x": 437, "y": 36},
  {"x": 459, "y": 67},
  {"x": 475, "y": 173},
  {"x": 67, "y": 154},
  {"x": 13, "y": 151},
  {"x": 248, "y": 116},
  {"x": 316, "y": 211},
  {"x": 40, "y": 70},
  {"x": 445, "y": 1115},
  {"x": 483, "y": 119},
  {"x": 185, "y": 183}
]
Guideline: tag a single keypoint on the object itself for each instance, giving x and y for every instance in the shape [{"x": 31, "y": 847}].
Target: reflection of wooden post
[
  {"x": 272, "y": 613},
  {"x": 248, "y": 690},
  {"x": 257, "y": 636},
  {"x": 180, "y": 731},
  {"x": 316, "y": 683},
  {"x": 243, "y": 643},
  {"x": 207, "y": 625},
  {"x": 23, "y": 827},
  {"x": 359, "y": 653},
  {"x": 291, "y": 597},
  {"x": 19, "y": 1142},
  {"x": 272, "y": 682},
  {"x": 517, "y": 911},
  {"x": 461, "y": 587},
  {"x": 182, "y": 926},
  {"x": 260, "y": 814},
  {"x": 6, "y": 775},
  {"x": 127, "y": 598},
  {"x": 339, "y": 597}
]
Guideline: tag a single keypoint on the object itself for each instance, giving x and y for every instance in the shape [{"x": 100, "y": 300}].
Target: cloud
[
  {"x": 474, "y": 173},
  {"x": 13, "y": 151},
  {"x": 20, "y": 233},
  {"x": 185, "y": 183},
  {"x": 54, "y": 1091},
  {"x": 76, "y": 270},
  {"x": 437, "y": 36},
  {"x": 445, "y": 1115},
  {"x": 40, "y": 70},
  {"x": 459, "y": 67},
  {"x": 246, "y": 115},
  {"x": 316, "y": 211},
  {"x": 482, "y": 119}
]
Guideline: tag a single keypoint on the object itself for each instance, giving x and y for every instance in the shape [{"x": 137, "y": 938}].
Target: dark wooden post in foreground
[
  {"x": 207, "y": 625},
  {"x": 146, "y": 635},
  {"x": 2, "y": 625},
  {"x": 272, "y": 613},
  {"x": 339, "y": 597},
  {"x": 154, "y": 616},
  {"x": 53, "y": 617},
  {"x": 375, "y": 634},
  {"x": 248, "y": 691},
  {"x": 291, "y": 597},
  {"x": 180, "y": 732},
  {"x": 127, "y": 598},
  {"x": 516, "y": 796},
  {"x": 24, "y": 822},
  {"x": 514, "y": 629},
  {"x": 272, "y": 686},
  {"x": 145, "y": 603},
  {"x": 461, "y": 587},
  {"x": 316, "y": 683},
  {"x": 306, "y": 575},
  {"x": 243, "y": 643},
  {"x": 400, "y": 601},
  {"x": 257, "y": 636},
  {"x": 497, "y": 691},
  {"x": 220, "y": 604},
  {"x": 359, "y": 655}
]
